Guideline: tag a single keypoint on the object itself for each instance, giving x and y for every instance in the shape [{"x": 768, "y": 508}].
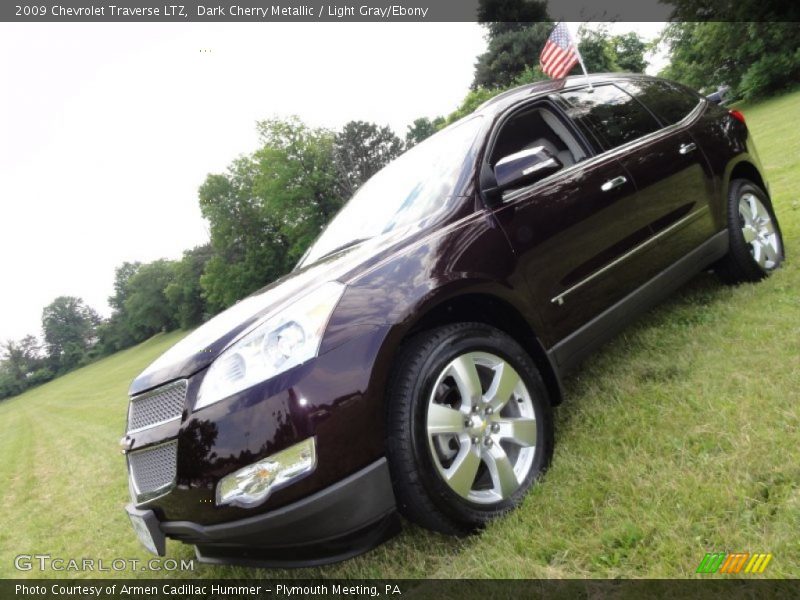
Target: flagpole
[{"x": 583, "y": 65}]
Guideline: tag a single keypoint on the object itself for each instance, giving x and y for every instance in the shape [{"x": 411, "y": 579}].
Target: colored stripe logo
[{"x": 735, "y": 562}]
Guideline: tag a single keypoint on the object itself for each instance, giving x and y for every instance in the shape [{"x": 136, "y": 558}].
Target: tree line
[
  {"x": 269, "y": 206},
  {"x": 752, "y": 60}
]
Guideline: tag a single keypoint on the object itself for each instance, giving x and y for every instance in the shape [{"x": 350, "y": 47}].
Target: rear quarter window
[{"x": 667, "y": 101}]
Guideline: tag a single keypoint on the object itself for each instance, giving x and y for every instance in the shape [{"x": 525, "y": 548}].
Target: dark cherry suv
[{"x": 411, "y": 361}]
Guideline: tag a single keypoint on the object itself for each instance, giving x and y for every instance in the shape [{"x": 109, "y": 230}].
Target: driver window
[{"x": 534, "y": 127}]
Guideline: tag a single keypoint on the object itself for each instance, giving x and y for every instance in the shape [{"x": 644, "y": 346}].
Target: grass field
[{"x": 678, "y": 438}]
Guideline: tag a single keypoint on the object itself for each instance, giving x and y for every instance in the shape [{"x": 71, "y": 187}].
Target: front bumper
[
  {"x": 336, "y": 523},
  {"x": 333, "y": 398}
]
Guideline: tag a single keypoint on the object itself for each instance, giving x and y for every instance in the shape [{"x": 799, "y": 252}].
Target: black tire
[
  {"x": 739, "y": 265},
  {"x": 423, "y": 495}
]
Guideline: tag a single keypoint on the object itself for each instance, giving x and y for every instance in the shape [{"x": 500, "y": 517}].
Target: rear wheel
[
  {"x": 469, "y": 427},
  {"x": 756, "y": 245}
]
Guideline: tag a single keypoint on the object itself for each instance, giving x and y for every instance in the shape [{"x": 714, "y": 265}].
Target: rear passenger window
[
  {"x": 616, "y": 116},
  {"x": 669, "y": 103}
]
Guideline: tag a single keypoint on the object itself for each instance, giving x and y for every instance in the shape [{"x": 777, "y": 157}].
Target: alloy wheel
[
  {"x": 481, "y": 427},
  {"x": 759, "y": 232}
]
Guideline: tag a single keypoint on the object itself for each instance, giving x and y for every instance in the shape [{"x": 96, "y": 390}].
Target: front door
[{"x": 573, "y": 231}]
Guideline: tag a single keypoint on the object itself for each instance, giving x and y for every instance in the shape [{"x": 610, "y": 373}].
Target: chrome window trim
[
  {"x": 155, "y": 392},
  {"x": 613, "y": 153}
]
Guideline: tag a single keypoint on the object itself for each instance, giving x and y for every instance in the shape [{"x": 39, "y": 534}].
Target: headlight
[{"x": 279, "y": 342}]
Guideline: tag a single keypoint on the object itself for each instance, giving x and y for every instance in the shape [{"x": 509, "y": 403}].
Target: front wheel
[
  {"x": 756, "y": 245},
  {"x": 470, "y": 427}
]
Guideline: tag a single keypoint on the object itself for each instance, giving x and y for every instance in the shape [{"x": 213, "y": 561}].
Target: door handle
[
  {"x": 686, "y": 148},
  {"x": 614, "y": 183}
]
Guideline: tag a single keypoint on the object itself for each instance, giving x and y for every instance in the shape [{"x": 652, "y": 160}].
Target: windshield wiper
[{"x": 345, "y": 246}]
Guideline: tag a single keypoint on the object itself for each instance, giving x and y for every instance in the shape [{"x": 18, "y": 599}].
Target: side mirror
[{"x": 522, "y": 168}]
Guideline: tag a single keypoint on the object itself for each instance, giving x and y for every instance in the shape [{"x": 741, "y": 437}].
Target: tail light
[{"x": 737, "y": 115}]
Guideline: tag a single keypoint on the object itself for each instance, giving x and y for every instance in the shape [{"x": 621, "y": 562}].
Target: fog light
[{"x": 254, "y": 483}]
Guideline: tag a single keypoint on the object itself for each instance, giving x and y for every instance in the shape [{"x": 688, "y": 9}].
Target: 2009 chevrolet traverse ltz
[{"x": 410, "y": 362}]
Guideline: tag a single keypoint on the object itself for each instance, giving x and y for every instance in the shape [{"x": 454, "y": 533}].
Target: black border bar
[
  {"x": 434, "y": 589},
  {"x": 185, "y": 11}
]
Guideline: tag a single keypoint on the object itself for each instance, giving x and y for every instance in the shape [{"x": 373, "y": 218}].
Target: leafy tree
[
  {"x": 269, "y": 206},
  {"x": 532, "y": 74},
  {"x": 116, "y": 333},
  {"x": 422, "y": 129},
  {"x": 140, "y": 304},
  {"x": 754, "y": 59},
  {"x": 69, "y": 327},
  {"x": 147, "y": 310},
  {"x": 630, "y": 49},
  {"x": 510, "y": 52},
  {"x": 360, "y": 150},
  {"x": 597, "y": 50},
  {"x": 249, "y": 249},
  {"x": 39, "y": 376},
  {"x": 298, "y": 181},
  {"x": 471, "y": 101},
  {"x": 8, "y": 384},
  {"x": 605, "y": 53},
  {"x": 20, "y": 360},
  {"x": 21, "y": 357},
  {"x": 122, "y": 277},
  {"x": 184, "y": 293}
]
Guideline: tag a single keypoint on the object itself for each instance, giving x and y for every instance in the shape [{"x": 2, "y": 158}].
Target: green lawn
[{"x": 678, "y": 438}]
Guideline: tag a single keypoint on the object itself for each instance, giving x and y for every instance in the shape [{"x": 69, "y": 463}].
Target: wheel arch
[
  {"x": 745, "y": 169},
  {"x": 479, "y": 307},
  {"x": 744, "y": 166},
  {"x": 735, "y": 267}
]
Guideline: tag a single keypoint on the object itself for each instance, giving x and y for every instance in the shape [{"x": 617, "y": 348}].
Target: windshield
[{"x": 407, "y": 190}]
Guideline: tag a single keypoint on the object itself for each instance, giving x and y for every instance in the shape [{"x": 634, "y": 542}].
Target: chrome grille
[
  {"x": 152, "y": 470},
  {"x": 158, "y": 406}
]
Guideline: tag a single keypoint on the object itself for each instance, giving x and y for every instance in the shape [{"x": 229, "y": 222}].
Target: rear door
[
  {"x": 671, "y": 172},
  {"x": 673, "y": 179}
]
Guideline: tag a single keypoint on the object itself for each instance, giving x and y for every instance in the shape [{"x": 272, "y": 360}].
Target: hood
[{"x": 199, "y": 349}]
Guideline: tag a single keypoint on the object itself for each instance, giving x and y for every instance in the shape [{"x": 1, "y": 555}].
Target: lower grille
[{"x": 152, "y": 470}]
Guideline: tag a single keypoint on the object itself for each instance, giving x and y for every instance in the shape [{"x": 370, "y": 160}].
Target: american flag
[{"x": 559, "y": 54}]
